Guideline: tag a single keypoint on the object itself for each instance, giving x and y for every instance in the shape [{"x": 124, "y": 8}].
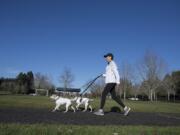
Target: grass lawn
[
  {"x": 42, "y": 129},
  {"x": 55, "y": 129},
  {"x": 45, "y": 102}
]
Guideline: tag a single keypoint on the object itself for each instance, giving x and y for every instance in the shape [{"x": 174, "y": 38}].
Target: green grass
[
  {"x": 45, "y": 102},
  {"x": 26, "y": 101},
  {"x": 44, "y": 129}
]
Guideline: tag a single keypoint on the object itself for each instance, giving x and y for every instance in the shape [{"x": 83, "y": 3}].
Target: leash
[{"x": 90, "y": 84}]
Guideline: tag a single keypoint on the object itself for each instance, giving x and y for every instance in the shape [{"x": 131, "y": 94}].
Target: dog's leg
[
  {"x": 56, "y": 108},
  {"x": 67, "y": 107},
  {"x": 86, "y": 106},
  {"x": 73, "y": 108},
  {"x": 77, "y": 107},
  {"x": 90, "y": 108}
]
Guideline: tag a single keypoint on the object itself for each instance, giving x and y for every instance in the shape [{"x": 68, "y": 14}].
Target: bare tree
[
  {"x": 135, "y": 90},
  {"x": 66, "y": 78},
  {"x": 168, "y": 85},
  {"x": 97, "y": 88},
  {"x": 126, "y": 78},
  {"x": 152, "y": 70},
  {"x": 42, "y": 81}
]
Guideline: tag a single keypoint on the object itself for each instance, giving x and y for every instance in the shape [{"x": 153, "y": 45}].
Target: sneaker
[
  {"x": 126, "y": 110},
  {"x": 100, "y": 112}
]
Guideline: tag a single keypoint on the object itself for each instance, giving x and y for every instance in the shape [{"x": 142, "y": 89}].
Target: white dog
[
  {"x": 83, "y": 101},
  {"x": 62, "y": 101}
]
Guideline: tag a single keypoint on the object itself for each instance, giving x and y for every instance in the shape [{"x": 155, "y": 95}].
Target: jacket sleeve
[{"x": 116, "y": 73}]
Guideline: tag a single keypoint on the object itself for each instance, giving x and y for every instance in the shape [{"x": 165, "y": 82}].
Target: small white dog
[
  {"x": 83, "y": 101},
  {"x": 62, "y": 101}
]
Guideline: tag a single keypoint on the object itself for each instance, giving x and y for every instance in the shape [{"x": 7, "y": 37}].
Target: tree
[
  {"x": 7, "y": 85},
  {"x": 42, "y": 82},
  {"x": 176, "y": 81},
  {"x": 97, "y": 88},
  {"x": 66, "y": 78},
  {"x": 168, "y": 85},
  {"x": 22, "y": 83},
  {"x": 151, "y": 69},
  {"x": 126, "y": 79},
  {"x": 30, "y": 82},
  {"x": 135, "y": 91}
]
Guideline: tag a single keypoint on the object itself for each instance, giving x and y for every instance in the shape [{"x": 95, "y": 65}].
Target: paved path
[{"x": 31, "y": 116}]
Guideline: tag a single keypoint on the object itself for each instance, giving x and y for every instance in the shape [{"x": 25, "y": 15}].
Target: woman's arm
[{"x": 116, "y": 73}]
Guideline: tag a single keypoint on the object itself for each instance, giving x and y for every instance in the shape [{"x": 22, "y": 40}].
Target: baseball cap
[{"x": 109, "y": 54}]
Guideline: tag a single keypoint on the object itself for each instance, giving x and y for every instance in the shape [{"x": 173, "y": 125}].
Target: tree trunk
[
  {"x": 124, "y": 95},
  {"x": 154, "y": 95},
  {"x": 174, "y": 97},
  {"x": 168, "y": 96},
  {"x": 151, "y": 95},
  {"x": 135, "y": 95}
]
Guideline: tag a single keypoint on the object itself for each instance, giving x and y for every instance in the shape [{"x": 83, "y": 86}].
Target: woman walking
[{"x": 111, "y": 79}]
